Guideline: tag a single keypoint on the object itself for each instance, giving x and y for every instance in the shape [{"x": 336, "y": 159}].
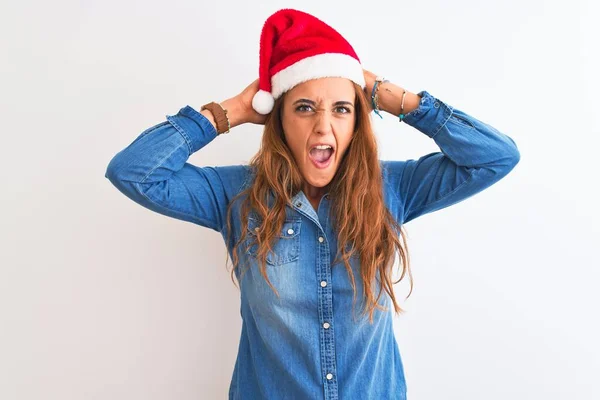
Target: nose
[{"x": 323, "y": 122}]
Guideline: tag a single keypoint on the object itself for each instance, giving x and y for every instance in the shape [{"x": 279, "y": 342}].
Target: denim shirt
[{"x": 308, "y": 343}]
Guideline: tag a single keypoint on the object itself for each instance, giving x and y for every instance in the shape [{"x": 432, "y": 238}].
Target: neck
[{"x": 313, "y": 192}]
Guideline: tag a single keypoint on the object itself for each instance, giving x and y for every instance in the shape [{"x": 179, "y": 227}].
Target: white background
[{"x": 103, "y": 299}]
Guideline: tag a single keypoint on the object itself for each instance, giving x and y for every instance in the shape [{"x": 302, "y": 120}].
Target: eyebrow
[{"x": 337, "y": 103}]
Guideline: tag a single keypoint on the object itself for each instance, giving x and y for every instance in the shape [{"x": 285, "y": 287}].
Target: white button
[
  {"x": 256, "y": 229},
  {"x": 326, "y": 325},
  {"x": 290, "y": 231},
  {"x": 321, "y": 239},
  {"x": 329, "y": 376},
  {"x": 323, "y": 283}
]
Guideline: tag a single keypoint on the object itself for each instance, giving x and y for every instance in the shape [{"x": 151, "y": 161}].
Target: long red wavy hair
[{"x": 363, "y": 222}]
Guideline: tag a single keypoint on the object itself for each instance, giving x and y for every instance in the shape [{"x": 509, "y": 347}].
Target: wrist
[{"x": 234, "y": 113}]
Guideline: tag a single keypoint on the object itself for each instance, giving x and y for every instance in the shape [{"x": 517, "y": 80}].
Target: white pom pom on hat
[
  {"x": 295, "y": 47},
  {"x": 263, "y": 102}
]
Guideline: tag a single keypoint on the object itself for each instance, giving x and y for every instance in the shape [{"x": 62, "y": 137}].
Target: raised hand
[{"x": 245, "y": 101}]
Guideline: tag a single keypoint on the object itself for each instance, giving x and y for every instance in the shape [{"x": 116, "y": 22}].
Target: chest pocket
[{"x": 286, "y": 247}]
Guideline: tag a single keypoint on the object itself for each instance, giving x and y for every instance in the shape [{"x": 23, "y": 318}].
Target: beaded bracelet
[{"x": 374, "y": 95}]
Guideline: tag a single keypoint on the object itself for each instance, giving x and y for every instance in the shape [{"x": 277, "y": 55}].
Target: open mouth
[{"x": 321, "y": 155}]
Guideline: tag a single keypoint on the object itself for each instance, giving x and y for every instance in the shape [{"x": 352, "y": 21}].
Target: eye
[
  {"x": 346, "y": 110},
  {"x": 300, "y": 106}
]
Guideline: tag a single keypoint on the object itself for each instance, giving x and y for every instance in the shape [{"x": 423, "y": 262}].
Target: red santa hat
[{"x": 296, "y": 47}]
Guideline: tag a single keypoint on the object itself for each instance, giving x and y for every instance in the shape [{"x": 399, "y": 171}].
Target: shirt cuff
[
  {"x": 195, "y": 128},
  {"x": 430, "y": 116}
]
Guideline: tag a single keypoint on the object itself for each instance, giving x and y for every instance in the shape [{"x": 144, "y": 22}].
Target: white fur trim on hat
[
  {"x": 263, "y": 102},
  {"x": 319, "y": 66}
]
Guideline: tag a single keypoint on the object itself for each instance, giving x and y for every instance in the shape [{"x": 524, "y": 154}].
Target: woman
[{"x": 315, "y": 198}]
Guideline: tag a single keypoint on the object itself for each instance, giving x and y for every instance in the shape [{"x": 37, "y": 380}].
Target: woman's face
[{"x": 319, "y": 111}]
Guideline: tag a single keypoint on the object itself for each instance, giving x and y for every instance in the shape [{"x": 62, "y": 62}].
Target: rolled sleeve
[
  {"x": 195, "y": 128},
  {"x": 430, "y": 116}
]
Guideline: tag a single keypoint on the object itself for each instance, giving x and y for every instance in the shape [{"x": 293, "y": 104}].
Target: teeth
[{"x": 322, "y": 147}]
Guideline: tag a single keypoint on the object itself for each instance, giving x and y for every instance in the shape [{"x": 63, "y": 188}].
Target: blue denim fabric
[{"x": 305, "y": 344}]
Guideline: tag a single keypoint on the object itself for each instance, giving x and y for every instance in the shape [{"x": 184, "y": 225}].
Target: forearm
[
  {"x": 466, "y": 140},
  {"x": 162, "y": 149},
  {"x": 390, "y": 98}
]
